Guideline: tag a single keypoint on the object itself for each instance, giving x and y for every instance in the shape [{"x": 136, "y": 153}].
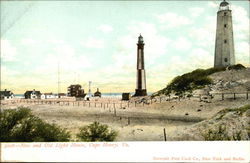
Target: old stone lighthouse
[
  {"x": 140, "y": 76},
  {"x": 224, "y": 44}
]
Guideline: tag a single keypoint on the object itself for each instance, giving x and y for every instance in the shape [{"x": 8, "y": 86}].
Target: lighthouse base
[{"x": 140, "y": 92}]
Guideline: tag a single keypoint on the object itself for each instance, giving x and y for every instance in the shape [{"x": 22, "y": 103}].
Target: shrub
[
  {"x": 236, "y": 67},
  {"x": 189, "y": 81},
  {"x": 19, "y": 125},
  {"x": 221, "y": 133},
  {"x": 96, "y": 132}
]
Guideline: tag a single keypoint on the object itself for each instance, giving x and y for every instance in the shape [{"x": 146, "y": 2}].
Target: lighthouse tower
[
  {"x": 141, "y": 76},
  {"x": 224, "y": 44}
]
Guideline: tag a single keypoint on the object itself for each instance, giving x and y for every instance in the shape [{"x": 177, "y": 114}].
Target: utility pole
[
  {"x": 90, "y": 88},
  {"x": 58, "y": 79}
]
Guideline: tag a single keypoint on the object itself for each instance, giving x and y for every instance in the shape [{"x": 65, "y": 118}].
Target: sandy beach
[{"x": 140, "y": 123}]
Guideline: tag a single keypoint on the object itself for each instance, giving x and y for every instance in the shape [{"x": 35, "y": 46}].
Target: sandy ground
[{"x": 144, "y": 123}]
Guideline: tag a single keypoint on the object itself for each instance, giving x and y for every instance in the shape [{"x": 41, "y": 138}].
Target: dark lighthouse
[{"x": 141, "y": 75}]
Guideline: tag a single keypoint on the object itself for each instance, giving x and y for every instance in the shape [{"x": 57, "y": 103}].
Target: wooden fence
[{"x": 131, "y": 104}]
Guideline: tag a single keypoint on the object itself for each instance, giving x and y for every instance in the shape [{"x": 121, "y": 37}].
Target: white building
[
  {"x": 6, "y": 95},
  {"x": 47, "y": 96}
]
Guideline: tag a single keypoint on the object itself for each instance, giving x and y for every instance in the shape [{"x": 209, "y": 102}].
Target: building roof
[
  {"x": 62, "y": 94},
  {"x": 6, "y": 93},
  {"x": 224, "y": 3},
  {"x": 75, "y": 85},
  {"x": 48, "y": 93},
  {"x": 29, "y": 92}
]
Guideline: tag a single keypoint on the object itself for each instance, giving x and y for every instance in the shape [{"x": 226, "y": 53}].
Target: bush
[
  {"x": 19, "y": 125},
  {"x": 189, "y": 81},
  {"x": 221, "y": 134},
  {"x": 96, "y": 132},
  {"x": 236, "y": 67}
]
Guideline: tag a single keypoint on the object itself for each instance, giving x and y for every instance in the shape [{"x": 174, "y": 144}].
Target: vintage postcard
[{"x": 163, "y": 81}]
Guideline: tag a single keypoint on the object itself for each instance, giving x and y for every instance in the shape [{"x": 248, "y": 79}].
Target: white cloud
[
  {"x": 155, "y": 44},
  {"x": 8, "y": 51},
  {"x": 196, "y": 11},
  {"x": 213, "y": 4},
  {"x": 173, "y": 20},
  {"x": 28, "y": 41},
  {"x": 105, "y": 28},
  {"x": 65, "y": 55},
  {"x": 181, "y": 43},
  {"x": 242, "y": 53},
  {"x": 93, "y": 43},
  {"x": 241, "y": 22}
]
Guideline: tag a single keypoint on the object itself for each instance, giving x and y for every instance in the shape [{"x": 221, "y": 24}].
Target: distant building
[
  {"x": 126, "y": 96},
  {"x": 32, "y": 94},
  {"x": 61, "y": 95},
  {"x": 47, "y": 95},
  {"x": 224, "y": 43},
  {"x": 97, "y": 93},
  {"x": 6, "y": 94},
  {"x": 141, "y": 73},
  {"x": 76, "y": 91}
]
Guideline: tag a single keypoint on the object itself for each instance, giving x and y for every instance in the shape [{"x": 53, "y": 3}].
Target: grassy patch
[
  {"x": 221, "y": 133},
  {"x": 189, "y": 81},
  {"x": 239, "y": 110}
]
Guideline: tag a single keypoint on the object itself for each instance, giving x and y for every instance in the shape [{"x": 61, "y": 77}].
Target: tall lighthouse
[
  {"x": 224, "y": 44},
  {"x": 141, "y": 74}
]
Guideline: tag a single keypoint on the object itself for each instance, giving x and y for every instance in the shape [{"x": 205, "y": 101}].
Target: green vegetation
[
  {"x": 221, "y": 133},
  {"x": 240, "y": 110},
  {"x": 19, "y": 125},
  {"x": 236, "y": 67},
  {"x": 196, "y": 79},
  {"x": 189, "y": 81},
  {"x": 96, "y": 132}
]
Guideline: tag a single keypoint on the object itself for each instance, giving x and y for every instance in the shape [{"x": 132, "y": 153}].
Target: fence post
[
  {"x": 89, "y": 104},
  {"x": 247, "y": 95},
  {"x": 234, "y": 97},
  {"x": 200, "y": 97},
  {"x": 160, "y": 99},
  {"x": 165, "y": 137},
  {"x": 128, "y": 121},
  {"x": 222, "y": 96},
  {"x": 115, "y": 112}
]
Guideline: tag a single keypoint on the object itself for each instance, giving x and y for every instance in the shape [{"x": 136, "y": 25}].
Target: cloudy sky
[{"x": 96, "y": 41}]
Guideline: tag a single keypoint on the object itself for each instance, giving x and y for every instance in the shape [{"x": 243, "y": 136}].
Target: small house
[
  {"x": 32, "y": 94},
  {"x": 126, "y": 96},
  {"x": 61, "y": 95},
  {"x": 47, "y": 95},
  {"x": 97, "y": 93},
  {"x": 6, "y": 94}
]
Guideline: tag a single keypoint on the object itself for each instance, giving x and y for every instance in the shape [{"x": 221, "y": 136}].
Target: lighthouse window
[
  {"x": 225, "y": 41},
  {"x": 225, "y": 13},
  {"x": 225, "y": 25},
  {"x": 225, "y": 59}
]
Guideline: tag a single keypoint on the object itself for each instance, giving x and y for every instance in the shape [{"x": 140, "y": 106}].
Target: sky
[{"x": 96, "y": 41}]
